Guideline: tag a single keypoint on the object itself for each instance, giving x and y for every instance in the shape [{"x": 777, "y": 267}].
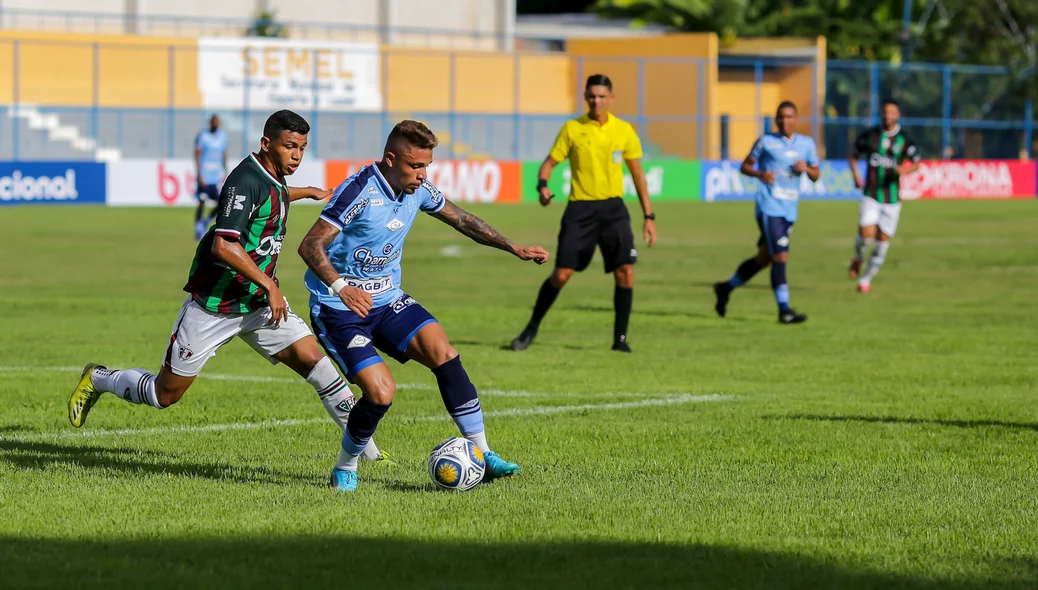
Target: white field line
[
  {"x": 514, "y": 412},
  {"x": 413, "y": 386}
]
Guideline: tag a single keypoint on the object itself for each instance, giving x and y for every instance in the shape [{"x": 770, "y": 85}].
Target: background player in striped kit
[
  {"x": 233, "y": 291},
  {"x": 889, "y": 154}
]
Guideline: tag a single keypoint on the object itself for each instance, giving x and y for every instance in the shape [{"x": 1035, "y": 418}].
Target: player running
[
  {"x": 891, "y": 155},
  {"x": 782, "y": 158},
  {"x": 234, "y": 291},
  {"x": 357, "y": 307},
  {"x": 210, "y": 166}
]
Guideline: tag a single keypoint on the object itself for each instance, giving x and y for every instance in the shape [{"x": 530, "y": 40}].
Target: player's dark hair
[
  {"x": 415, "y": 133},
  {"x": 284, "y": 121},
  {"x": 787, "y": 104},
  {"x": 599, "y": 80},
  {"x": 893, "y": 102}
]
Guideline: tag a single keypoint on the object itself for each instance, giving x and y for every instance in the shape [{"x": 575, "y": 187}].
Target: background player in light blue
[
  {"x": 780, "y": 161},
  {"x": 357, "y": 307},
  {"x": 210, "y": 169}
]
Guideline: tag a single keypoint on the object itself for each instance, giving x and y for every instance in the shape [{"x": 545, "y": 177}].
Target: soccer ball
[{"x": 457, "y": 464}]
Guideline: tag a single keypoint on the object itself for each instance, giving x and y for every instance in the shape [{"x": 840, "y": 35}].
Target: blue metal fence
[{"x": 950, "y": 111}]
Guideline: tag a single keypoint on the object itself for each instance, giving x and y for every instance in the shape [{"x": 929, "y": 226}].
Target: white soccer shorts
[
  {"x": 198, "y": 333},
  {"x": 884, "y": 215}
]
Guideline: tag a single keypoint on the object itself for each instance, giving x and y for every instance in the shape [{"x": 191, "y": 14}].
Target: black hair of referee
[{"x": 595, "y": 214}]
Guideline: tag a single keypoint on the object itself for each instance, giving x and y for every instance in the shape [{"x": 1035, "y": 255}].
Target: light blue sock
[{"x": 781, "y": 288}]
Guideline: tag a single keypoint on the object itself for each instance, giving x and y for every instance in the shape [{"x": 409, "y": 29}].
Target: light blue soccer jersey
[
  {"x": 213, "y": 146},
  {"x": 374, "y": 223},
  {"x": 777, "y": 154}
]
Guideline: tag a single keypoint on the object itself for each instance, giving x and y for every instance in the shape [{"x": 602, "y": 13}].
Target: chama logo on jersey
[{"x": 359, "y": 342}]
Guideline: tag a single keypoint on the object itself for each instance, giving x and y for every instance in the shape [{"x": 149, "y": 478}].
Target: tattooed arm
[
  {"x": 313, "y": 251},
  {"x": 480, "y": 231}
]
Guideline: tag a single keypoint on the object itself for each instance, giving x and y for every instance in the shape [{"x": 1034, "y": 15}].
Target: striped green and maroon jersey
[
  {"x": 253, "y": 211},
  {"x": 884, "y": 152}
]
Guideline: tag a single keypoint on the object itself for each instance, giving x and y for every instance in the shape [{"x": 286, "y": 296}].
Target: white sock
[
  {"x": 860, "y": 244},
  {"x": 347, "y": 462},
  {"x": 879, "y": 255},
  {"x": 337, "y": 398},
  {"x": 136, "y": 386},
  {"x": 480, "y": 440}
]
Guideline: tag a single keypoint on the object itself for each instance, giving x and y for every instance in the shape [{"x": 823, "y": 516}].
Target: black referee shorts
[{"x": 586, "y": 224}]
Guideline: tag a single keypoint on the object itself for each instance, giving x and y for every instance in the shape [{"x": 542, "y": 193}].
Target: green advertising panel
[{"x": 667, "y": 180}]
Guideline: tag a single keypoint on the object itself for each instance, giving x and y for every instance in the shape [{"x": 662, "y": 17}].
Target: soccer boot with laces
[
  {"x": 343, "y": 480},
  {"x": 497, "y": 467},
  {"x": 84, "y": 396}
]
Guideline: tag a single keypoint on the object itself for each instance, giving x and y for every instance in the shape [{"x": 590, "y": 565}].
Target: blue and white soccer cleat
[
  {"x": 343, "y": 480},
  {"x": 497, "y": 467}
]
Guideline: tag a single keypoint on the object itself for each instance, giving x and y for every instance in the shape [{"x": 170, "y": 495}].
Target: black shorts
[{"x": 587, "y": 224}]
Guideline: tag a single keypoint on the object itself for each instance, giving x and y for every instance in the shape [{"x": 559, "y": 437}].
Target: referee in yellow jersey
[{"x": 596, "y": 144}]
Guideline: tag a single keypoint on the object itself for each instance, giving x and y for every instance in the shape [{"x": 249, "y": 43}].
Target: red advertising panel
[
  {"x": 971, "y": 179},
  {"x": 471, "y": 181}
]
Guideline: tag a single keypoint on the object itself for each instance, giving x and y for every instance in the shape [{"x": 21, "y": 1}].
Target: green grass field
[{"x": 889, "y": 442}]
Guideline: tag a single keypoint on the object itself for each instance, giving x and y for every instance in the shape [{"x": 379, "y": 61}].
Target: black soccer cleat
[
  {"x": 621, "y": 347},
  {"x": 722, "y": 291},
  {"x": 524, "y": 339},
  {"x": 792, "y": 317}
]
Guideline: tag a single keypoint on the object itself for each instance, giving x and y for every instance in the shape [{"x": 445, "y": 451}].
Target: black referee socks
[
  {"x": 545, "y": 298},
  {"x": 622, "y": 298}
]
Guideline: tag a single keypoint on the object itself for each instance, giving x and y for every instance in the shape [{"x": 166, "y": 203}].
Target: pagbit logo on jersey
[
  {"x": 359, "y": 342},
  {"x": 395, "y": 224}
]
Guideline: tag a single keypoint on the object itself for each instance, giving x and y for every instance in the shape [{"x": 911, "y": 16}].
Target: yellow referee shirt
[{"x": 596, "y": 154}]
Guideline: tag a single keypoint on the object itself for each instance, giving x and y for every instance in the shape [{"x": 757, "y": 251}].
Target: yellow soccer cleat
[{"x": 84, "y": 397}]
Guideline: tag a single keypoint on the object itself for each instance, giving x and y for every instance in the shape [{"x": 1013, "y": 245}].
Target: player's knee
[
  {"x": 764, "y": 259},
  {"x": 780, "y": 257},
  {"x": 380, "y": 391},
  {"x": 440, "y": 355},
  {"x": 167, "y": 395},
  {"x": 625, "y": 276},
  {"x": 560, "y": 277}
]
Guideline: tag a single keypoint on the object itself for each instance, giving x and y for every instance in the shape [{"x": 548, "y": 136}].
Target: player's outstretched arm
[
  {"x": 480, "y": 231},
  {"x": 296, "y": 193}
]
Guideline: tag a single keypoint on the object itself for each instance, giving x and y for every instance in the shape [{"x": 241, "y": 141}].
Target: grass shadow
[
  {"x": 285, "y": 561},
  {"x": 908, "y": 421},
  {"x": 43, "y": 455}
]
